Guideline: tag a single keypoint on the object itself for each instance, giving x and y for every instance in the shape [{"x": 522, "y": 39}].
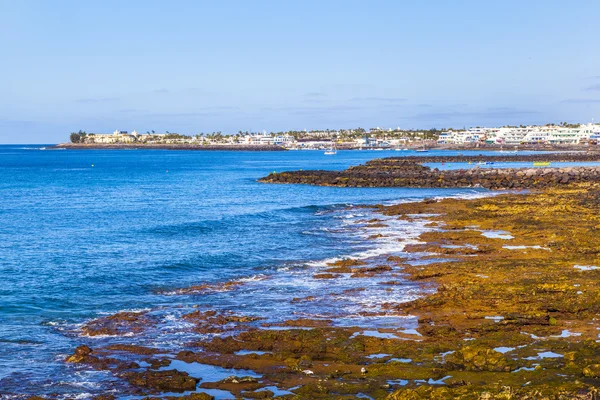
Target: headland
[{"x": 409, "y": 172}]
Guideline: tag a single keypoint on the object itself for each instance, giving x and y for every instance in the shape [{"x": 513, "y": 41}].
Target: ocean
[{"x": 89, "y": 233}]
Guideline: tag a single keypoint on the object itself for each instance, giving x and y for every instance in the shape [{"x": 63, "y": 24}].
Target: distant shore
[
  {"x": 246, "y": 147},
  {"x": 138, "y": 146}
]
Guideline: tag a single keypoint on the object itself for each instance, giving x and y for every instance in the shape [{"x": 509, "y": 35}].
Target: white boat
[{"x": 331, "y": 151}]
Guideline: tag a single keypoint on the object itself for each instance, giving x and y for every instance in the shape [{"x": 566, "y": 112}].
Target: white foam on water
[
  {"x": 525, "y": 368},
  {"x": 536, "y": 247},
  {"x": 586, "y": 267},
  {"x": 504, "y": 235},
  {"x": 253, "y": 278}
]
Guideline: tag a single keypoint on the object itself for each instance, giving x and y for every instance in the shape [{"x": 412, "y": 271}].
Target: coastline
[
  {"x": 137, "y": 146},
  {"x": 409, "y": 172},
  {"x": 242, "y": 147},
  {"x": 508, "y": 313}
]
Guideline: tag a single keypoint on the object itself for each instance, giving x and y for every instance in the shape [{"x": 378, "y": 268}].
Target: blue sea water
[{"x": 87, "y": 233}]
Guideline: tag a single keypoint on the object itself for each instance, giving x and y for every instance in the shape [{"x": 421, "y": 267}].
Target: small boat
[
  {"x": 485, "y": 162},
  {"x": 541, "y": 163},
  {"x": 378, "y": 149},
  {"x": 331, "y": 151},
  {"x": 422, "y": 150}
]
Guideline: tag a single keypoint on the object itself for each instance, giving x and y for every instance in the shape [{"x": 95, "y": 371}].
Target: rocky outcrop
[
  {"x": 405, "y": 173},
  {"x": 462, "y": 158},
  {"x": 171, "y": 380}
]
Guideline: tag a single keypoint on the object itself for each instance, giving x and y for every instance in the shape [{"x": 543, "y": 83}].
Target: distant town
[{"x": 549, "y": 134}]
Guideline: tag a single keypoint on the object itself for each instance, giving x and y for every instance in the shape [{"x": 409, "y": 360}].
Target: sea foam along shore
[
  {"x": 506, "y": 317},
  {"x": 353, "y": 303}
]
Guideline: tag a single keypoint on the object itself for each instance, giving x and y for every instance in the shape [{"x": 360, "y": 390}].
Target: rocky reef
[
  {"x": 513, "y": 314},
  {"x": 408, "y": 172}
]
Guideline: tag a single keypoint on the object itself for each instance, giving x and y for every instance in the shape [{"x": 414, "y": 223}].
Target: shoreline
[
  {"x": 502, "y": 321},
  {"x": 133, "y": 146},
  {"x": 242, "y": 147},
  {"x": 409, "y": 172}
]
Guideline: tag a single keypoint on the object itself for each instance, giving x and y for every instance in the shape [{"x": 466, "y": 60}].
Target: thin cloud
[
  {"x": 595, "y": 87},
  {"x": 315, "y": 94},
  {"x": 315, "y": 101},
  {"x": 96, "y": 100},
  {"x": 162, "y": 91},
  {"x": 379, "y": 99},
  {"x": 499, "y": 112},
  {"x": 312, "y": 110},
  {"x": 581, "y": 101},
  {"x": 185, "y": 114}
]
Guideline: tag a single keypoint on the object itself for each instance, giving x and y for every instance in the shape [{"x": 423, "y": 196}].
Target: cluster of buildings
[
  {"x": 119, "y": 136},
  {"x": 547, "y": 134},
  {"x": 564, "y": 134}
]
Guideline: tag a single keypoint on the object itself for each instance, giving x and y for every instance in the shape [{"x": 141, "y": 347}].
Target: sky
[{"x": 204, "y": 66}]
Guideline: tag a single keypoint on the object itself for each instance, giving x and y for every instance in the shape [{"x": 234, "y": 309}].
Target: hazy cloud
[
  {"x": 315, "y": 94},
  {"x": 162, "y": 91},
  {"x": 581, "y": 101},
  {"x": 379, "y": 99},
  {"x": 314, "y": 101},
  {"x": 193, "y": 114},
  {"x": 210, "y": 111},
  {"x": 96, "y": 100},
  {"x": 312, "y": 110},
  {"x": 498, "y": 112},
  {"x": 593, "y": 87}
]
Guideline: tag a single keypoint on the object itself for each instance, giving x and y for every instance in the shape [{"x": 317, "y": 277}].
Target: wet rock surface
[
  {"x": 408, "y": 172},
  {"x": 169, "y": 381},
  {"x": 508, "y": 317}
]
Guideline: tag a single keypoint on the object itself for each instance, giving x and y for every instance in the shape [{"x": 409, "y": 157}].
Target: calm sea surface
[{"x": 87, "y": 233}]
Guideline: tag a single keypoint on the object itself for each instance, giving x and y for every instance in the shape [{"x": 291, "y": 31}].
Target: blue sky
[{"x": 194, "y": 66}]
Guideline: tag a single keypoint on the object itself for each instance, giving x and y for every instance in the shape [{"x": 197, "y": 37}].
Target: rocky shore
[
  {"x": 408, "y": 172},
  {"x": 513, "y": 315},
  {"x": 138, "y": 146}
]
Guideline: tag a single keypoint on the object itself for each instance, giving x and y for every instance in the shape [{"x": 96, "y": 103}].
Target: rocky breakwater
[
  {"x": 405, "y": 173},
  {"x": 510, "y": 157}
]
